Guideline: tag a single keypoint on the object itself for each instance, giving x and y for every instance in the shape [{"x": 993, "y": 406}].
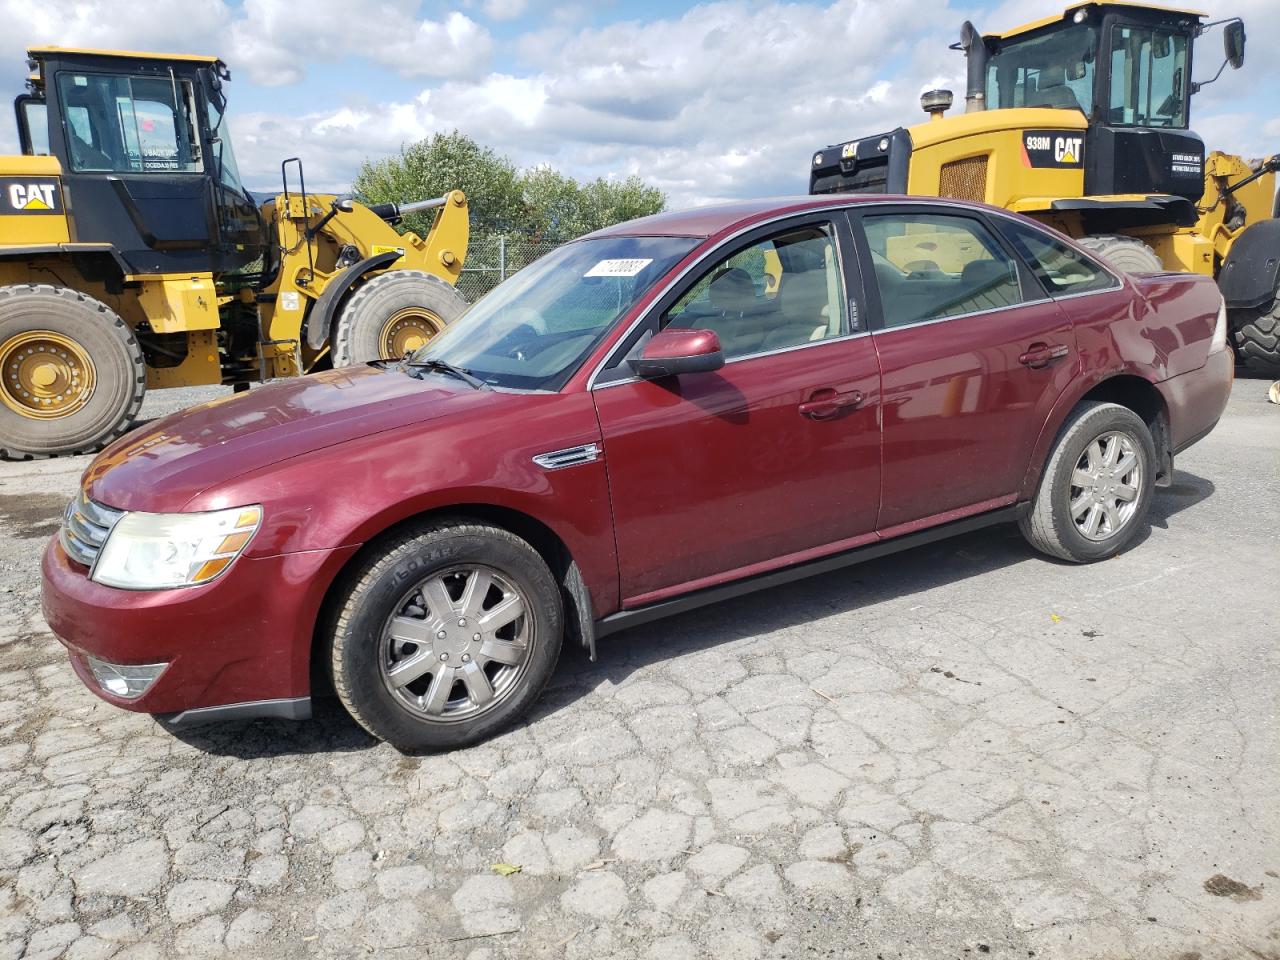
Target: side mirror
[
  {"x": 1233, "y": 43},
  {"x": 673, "y": 352}
]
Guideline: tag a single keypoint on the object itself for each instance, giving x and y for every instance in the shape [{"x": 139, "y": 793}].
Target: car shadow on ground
[{"x": 793, "y": 605}]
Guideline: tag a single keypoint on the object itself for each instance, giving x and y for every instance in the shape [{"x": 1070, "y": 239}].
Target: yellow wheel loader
[
  {"x": 133, "y": 258},
  {"x": 1081, "y": 121}
]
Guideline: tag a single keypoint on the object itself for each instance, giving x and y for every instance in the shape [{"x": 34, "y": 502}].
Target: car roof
[{"x": 717, "y": 218}]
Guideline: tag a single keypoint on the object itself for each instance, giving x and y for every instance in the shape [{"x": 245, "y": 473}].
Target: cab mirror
[
  {"x": 1076, "y": 71},
  {"x": 673, "y": 352},
  {"x": 1233, "y": 43}
]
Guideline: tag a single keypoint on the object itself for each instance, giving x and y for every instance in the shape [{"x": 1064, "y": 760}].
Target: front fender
[
  {"x": 1248, "y": 278},
  {"x": 320, "y": 317}
]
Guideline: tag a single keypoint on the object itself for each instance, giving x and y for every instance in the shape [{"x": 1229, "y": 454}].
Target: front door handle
[
  {"x": 1043, "y": 354},
  {"x": 826, "y": 403}
]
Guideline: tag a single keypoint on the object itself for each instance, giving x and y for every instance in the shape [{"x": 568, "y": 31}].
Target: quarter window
[
  {"x": 782, "y": 292},
  {"x": 129, "y": 124},
  {"x": 932, "y": 266},
  {"x": 1060, "y": 268}
]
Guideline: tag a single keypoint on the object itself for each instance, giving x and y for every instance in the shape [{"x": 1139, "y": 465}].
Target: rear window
[{"x": 1057, "y": 266}]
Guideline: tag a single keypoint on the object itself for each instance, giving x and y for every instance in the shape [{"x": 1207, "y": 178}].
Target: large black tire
[
  {"x": 1126, "y": 254},
  {"x": 415, "y": 304},
  {"x": 1050, "y": 525},
  {"x": 1256, "y": 336},
  {"x": 43, "y": 320},
  {"x": 393, "y": 583}
]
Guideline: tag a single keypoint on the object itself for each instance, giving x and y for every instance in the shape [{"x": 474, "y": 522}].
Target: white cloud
[
  {"x": 728, "y": 99},
  {"x": 267, "y": 39},
  {"x": 504, "y": 9}
]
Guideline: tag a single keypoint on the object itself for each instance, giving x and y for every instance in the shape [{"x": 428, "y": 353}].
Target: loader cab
[
  {"x": 1127, "y": 68},
  {"x": 146, "y": 157}
]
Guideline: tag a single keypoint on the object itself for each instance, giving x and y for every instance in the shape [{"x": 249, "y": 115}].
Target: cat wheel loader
[
  {"x": 1081, "y": 121},
  {"x": 133, "y": 258}
]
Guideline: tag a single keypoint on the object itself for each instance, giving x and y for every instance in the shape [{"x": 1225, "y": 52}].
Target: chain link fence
[{"x": 492, "y": 258}]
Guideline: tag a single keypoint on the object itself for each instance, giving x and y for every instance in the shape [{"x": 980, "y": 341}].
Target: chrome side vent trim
[
  {"x": 85, "y": 526},
  {"x": 568, "y": 457}
]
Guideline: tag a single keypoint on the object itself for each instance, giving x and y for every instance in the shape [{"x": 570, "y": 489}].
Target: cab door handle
[
  {"x": 1043, "y": 354},
  {"x": 827, "y": 403}
]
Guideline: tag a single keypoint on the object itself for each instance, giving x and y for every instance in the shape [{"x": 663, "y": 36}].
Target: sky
[{"x": 708, "y": 101}]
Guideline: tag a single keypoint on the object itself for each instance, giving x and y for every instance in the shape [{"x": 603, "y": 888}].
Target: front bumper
[{"x": 241, "y": 644}]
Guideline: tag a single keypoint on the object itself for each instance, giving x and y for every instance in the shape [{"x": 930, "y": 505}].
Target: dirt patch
[
  {"x": 32, "y": 516},
  {"x": 1221, "y": 886}
]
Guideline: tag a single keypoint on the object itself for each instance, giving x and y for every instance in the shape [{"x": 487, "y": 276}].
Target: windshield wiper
[{"x": 443, "y": 366}]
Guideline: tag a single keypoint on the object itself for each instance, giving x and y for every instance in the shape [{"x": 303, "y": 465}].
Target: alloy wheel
[
  {"x": 1105, "y": 485},
  {"x": 458, "y": 643}
]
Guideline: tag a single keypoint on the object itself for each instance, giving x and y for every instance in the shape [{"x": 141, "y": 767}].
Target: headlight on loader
[{"x": 156, "y": 551}]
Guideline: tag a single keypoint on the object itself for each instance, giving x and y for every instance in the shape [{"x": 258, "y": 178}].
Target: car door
[
  {"x": 721, "y": 474},
  {"x": 973, "y": 354}
]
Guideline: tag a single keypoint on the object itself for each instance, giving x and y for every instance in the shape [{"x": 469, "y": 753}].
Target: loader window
[
  {"x": 1053, "y": 69},
  {"x": 33, "y": 126},
  {"x": 126, "y": 124},
  {"x": 1148, "y": 77}
]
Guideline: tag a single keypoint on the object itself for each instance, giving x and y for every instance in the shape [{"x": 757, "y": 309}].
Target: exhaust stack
[{"x": 975, "y": 52}]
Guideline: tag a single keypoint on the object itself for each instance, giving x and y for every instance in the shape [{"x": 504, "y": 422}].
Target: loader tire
[
  {"x": 1126, "y": 254},
  {"x": 393, "y": 314},
  {"x": 1256, "y": 337},
  {"x": 73, "y": 374}
]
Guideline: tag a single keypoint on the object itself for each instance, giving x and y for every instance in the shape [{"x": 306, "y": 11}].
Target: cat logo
[
  {"x": 1067, "y": 149},
  {"x": 24, "y": 196}
]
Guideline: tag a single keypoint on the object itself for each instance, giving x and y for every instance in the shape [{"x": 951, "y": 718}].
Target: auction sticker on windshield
[{"x": 617, "y": 268}]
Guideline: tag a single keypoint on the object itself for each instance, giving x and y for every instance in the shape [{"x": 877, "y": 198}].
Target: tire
[
  {"x": 391, "y": 597},
  {"x": 1126, "y": 254},
  {"x": 93, "y": 363},
  {"x": 414, "y": 304},
  {"x": 1256, "y": 336},
  {"x": 1050, "y": 526}
]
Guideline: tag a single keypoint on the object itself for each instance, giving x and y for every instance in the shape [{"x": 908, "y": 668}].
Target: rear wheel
[
  {"x": 1257, "y": 337},
  {"x": 1096, "y": 488},
  {"x": 446, "y": 635},
  {"x": 72, "y": 375},
  {"x": 1126, "y": 254},
  {"x": 393, "y": 314}
]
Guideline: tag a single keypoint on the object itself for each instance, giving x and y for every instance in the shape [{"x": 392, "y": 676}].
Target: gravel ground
[{"x": 962, "y": 750}]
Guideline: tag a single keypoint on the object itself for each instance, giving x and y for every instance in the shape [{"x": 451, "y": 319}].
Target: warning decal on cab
[{"x": 30, "y": 195}]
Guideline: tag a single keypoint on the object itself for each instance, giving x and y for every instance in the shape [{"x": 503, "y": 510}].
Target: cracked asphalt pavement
[{"x": 960, "y": 751}]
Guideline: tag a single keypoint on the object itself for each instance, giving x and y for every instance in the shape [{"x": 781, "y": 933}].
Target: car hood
[{"x": 163, "y": 465}]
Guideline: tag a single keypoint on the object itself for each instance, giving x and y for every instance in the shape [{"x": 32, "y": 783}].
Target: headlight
[{"x": 153, "y": 551}]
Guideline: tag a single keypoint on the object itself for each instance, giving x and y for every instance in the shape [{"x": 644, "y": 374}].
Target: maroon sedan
[{"x": 660, "y": 415}]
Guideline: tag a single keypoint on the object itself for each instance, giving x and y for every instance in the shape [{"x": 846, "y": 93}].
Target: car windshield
[{"x": 535, "y": 329}]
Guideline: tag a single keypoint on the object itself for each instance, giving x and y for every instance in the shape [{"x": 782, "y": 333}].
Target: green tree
[
  {"x": 540, "y": 202},
  {"x": 448, "y": 161},
  {"x": 561, "y": 208}
]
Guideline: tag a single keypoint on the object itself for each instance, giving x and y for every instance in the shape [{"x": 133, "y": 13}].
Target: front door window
[{"x": 122, "y": 124}]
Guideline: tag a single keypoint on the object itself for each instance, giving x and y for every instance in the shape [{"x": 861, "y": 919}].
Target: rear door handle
[
  {"x": 1043, "y": 354},
  {"x": 827, "y": 403}
]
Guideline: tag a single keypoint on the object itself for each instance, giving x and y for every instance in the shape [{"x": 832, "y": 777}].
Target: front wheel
[
  {"x": 1257, "y": 337},
  {"x": 393, "y": 314},
  {"x": 445, "y": 635},
  {"x": 1097, "y": 486}
]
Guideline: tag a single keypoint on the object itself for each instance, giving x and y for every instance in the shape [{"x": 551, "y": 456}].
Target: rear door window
[{"x": 932, "y": 266}]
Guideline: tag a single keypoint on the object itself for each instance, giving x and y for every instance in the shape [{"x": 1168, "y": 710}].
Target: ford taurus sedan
[{"x": 662, "y": 414}]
